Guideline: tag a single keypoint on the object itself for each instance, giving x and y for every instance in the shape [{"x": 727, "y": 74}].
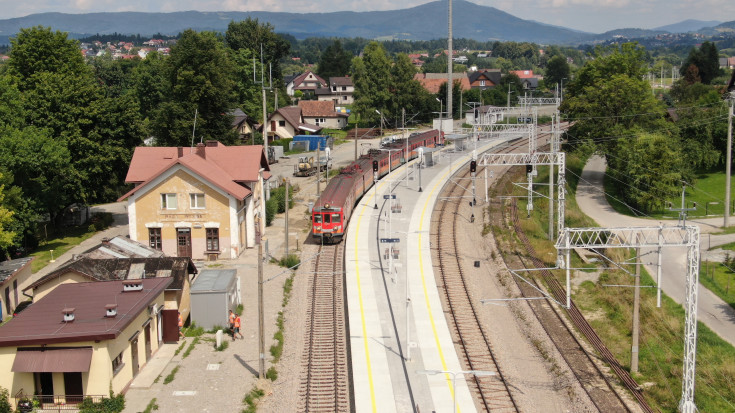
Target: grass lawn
[
  {"x": 609, "y": 311},
  {"x": 718, "y": 279},
  {"x": 708, "y": 192},
  {"x": 71, "y": 237}
]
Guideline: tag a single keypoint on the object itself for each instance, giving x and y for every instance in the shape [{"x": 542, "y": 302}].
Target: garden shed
[{"x": 213, "y": 294}]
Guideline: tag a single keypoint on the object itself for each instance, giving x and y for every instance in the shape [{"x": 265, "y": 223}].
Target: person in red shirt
[{"x": 236, "y": 330}]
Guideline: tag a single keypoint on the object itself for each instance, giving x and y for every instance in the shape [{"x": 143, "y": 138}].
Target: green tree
[
  {"x": 372, "y": 80},
  {"x": 251, "y": 34},
  {"x": 334, "y": 61},
  {"x": 556, "y": 69},
  {"x": 4, "y": 401},
  {"x": 200, "y": 84},
  {"x": 705, "y": 60},
  {"x": 408, "y": 93}
]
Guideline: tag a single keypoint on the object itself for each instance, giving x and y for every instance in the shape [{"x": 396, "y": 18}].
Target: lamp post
[
  {"x": 509, "y": 92},
  {"x": 454, "y": 374},
  {"x": 441, "y": 114},
  {"x": 381, "y": 121}
]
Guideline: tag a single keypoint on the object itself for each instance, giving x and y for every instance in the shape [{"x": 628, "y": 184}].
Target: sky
[{"x": 594, "y": 16}]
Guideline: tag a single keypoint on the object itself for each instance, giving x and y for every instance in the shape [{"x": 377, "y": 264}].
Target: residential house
[
  {"x": 285, "y": 123},
  {"x": 529, "y": 81},
  {"x": 433, "y": 81},
  {"x": 205, "y": 202},
  {"x": 486, "y": 114},
  {"x": 727, "y": 63},
  {"x": 340, "y": 90},
  {"x": 84, "y": 340},
  {"x": 15, "y": 275},
  {"x": 484, "y": 79},
  {"x": 244, "y": 125},
  {"x": 85, "y": 269},
  {"x": 307, "y": 83},
  {"x": 323, "y": 114}
]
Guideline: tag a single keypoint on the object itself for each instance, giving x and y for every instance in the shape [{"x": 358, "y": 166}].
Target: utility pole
[
  {"x": 261, "y": 322},
  {"x": 265, "y": 127},
  {"x": 636, "y": 312},
  {"x": 318, "y": 175},
  {"x": 286, "y": 217},
  {"x": 728, "y": 161},
  {"x": 450, "y": 68}
]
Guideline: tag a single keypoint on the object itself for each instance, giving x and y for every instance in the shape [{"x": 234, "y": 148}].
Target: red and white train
[{"x": 332, "y": 210}]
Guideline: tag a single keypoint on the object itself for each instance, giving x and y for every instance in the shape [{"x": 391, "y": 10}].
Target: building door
[
  {"x": 73, "y": 387},
  {"x": 183, "y": 238},
  {"x": 170, "y": 325},
  {"x": 45, "y": 387},
  {"x": 148, "y": 351},
  {"x": 134, "y": 356},
  {"x": 8, "y": 310}
]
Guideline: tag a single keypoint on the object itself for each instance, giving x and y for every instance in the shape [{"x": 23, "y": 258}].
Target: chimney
[
  {"x": 180, "y": 152},
  {"x": 105, "y": 241},
  {"x": 200, "y": 150},
  {"x": 68, "y": 314},
  {"x": 111, "y": 310},
  {"x": 212, "y": 143},
  {"x": 132, "y": 285}
]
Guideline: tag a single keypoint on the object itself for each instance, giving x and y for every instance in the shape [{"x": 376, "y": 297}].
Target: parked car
[{"x": 22, "y": 306}]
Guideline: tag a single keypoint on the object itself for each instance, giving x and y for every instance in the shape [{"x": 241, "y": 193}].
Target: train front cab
[{"x": 328, "y": 225}]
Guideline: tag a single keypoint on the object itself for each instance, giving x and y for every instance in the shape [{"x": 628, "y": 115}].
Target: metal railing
[{"x": 51, "y": 403}]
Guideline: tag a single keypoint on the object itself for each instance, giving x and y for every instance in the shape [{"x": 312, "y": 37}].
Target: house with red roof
[
  {"x": 285, "y": 123},
  {"x": 203, "y": 202},
  {"x": 84, "y": 340},
  {"x": 433, "y": 81},
  {"x": 307, "y": 82},
  {"x": 15, "y": 275},
  {"x": 323, "y": 114}
]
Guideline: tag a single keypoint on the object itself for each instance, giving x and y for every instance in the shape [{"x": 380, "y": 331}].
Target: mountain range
[{"x": 424, "y": 22}]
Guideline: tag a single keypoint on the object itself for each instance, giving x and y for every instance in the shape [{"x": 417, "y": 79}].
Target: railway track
[
  {"x": 594, "y": 381},
  {"x": 476, "y": 350},
  {"x": 325, "y": 384}
]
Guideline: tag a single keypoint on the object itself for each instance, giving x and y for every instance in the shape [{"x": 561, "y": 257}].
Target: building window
[
  {"x": 212, "y": 239},
  {"x": 168, "y": 201},
  {"x": 154, "y": 238},
  {"x": 282, "y": 123},
  {"x": 334, "y": 88},
  {"x": 344, "y": 88},
  {"x": 197, "y": 201},
  {"x": 117, "y": 364},
  {"x": 482, "y": 83},
  {"x": 344, "y": 97}
]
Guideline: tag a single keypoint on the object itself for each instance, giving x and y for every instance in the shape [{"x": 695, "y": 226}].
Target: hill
[
  {"x": 424, "y": 22},
  {"x": 686, "y": 26}
]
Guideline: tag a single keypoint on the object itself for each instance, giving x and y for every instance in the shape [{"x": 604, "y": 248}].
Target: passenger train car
[{"x": 332, "y": 210}]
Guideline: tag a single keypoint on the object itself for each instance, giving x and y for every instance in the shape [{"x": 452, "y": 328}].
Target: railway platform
[{"x": 403, "y": 356}]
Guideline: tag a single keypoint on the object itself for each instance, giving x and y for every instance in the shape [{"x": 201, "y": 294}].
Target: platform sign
[
  {"x": 390, "y": 240},
  {"x": 392, "y": 196},
  {"x": 524, "y": 120}
]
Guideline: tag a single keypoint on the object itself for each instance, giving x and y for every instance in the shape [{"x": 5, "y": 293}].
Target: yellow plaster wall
[
  {"x": 100, "y": 377},
  {"x": 65, "y": 278},
  {"x": 217, "y": 209}
]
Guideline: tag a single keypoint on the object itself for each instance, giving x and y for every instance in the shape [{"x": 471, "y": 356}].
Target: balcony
[{"x": 51, "y": 403}]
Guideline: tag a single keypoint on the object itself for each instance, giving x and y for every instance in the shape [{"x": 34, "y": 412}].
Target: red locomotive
[{"x": 332, "y": 210}]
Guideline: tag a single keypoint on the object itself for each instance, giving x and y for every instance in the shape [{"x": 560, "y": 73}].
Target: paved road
[{"x": 712, "y": 311}]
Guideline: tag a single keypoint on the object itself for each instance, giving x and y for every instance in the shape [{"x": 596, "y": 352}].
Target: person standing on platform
[
  {"x": 236, "y": 330},
  {"x": 231, "y": 323},
  {"x": 181, "y": 326}
]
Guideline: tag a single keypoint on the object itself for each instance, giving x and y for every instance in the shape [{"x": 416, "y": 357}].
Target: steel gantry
[
  {"x": 552, "y": 159},
  {"x": 531, "y": 101},
  {"x": 648, "y": 237}
]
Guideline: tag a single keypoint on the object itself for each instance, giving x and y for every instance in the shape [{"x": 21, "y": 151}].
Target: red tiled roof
[
  {"x": 433, "y": 85},
  {"x": 340, "y": 81},
  {"x": 42, "y": 322},
  {"x": 226, "y": 167},
  {"x": 292, "y": 114},
  {"x": 318, "y": 109},
  {"x": 300, "y": 79},
  {"x": 523, "y": 74}
]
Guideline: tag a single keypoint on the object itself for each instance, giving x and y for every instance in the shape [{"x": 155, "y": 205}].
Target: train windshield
[
  {"x": 335, "y": 218},
  {"x": 317, "y": 218},
  {"x": 327, "y": 219}
]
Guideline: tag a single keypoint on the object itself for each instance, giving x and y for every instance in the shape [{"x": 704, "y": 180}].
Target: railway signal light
[
  {"x": 529, "y": 168},
  {"x": 375, "y": 166},
  {"x": 473, "y": 166}
]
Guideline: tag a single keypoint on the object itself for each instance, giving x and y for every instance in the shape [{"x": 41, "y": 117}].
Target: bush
[
  {"x": 100, "y": 221},
  {"x": 290, "y": 261},
  {"x": 113, "y": 404},
  {"x": 271, "y": 209},
  {"x": 4, "y": 401},
  {"x": 271, "y": 374}
]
